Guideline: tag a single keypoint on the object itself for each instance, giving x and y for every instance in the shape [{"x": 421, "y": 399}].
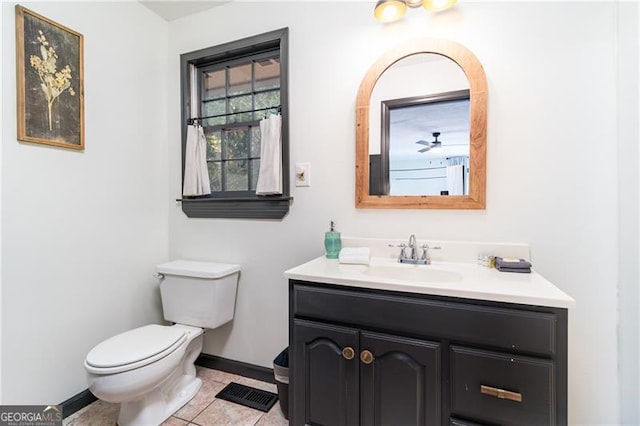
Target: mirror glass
[{"x": 421, "y": 129}]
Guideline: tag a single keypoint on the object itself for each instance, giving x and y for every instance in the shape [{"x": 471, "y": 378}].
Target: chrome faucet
[
  {"x": 413, "y": 256},
  {"x": 413, "y": 247}
]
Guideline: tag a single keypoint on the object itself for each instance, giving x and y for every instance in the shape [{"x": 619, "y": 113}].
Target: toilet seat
[{"x": 134, "y": 349}]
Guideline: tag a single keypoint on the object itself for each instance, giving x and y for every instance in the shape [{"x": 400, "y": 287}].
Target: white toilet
[{"x": 150, "y": 370}]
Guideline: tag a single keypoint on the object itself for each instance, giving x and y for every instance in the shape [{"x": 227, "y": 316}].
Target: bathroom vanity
[{"x": 445, "y": 344}]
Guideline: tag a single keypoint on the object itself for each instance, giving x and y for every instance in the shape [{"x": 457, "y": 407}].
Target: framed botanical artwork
[{"x": 50, "y": 81}]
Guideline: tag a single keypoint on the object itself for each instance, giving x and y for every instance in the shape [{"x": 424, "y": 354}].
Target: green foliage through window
[{"x": 238, "y": 93}]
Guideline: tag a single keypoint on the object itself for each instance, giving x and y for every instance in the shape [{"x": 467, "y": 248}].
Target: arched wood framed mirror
[{"x": 375, "y": 136}]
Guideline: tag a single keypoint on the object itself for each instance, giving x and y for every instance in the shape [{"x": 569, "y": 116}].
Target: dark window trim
[{"x": 244, "y": 207}]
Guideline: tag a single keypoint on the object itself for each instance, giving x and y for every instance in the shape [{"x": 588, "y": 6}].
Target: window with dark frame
[{"x": 230, "y": 88}]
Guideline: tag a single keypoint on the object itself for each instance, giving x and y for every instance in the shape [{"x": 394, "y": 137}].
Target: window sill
[{"x": 237, "y": 207}]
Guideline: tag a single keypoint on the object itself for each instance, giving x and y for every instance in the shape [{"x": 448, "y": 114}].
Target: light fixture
[
  {"x": 414, "y": 3},
  {"x": 437, "y": 5},
  {"x": 390, "y": 10},
  {"x": 393, "y": 10}
]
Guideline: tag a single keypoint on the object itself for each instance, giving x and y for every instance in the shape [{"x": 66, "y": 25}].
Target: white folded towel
[
  {"x": 270, "y": 173},
  {"x": 196, "y": 172},
  {"x": 355, "y": 255}
]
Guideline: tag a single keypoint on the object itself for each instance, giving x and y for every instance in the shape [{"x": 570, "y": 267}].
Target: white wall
[
  {"x": 551, "y": 70},
  {"x": 82, "y": 231},
  {"x": 1, "y": 127},
  {"x": 628, "y": 135},
  {"x": 634, "y": 416}
]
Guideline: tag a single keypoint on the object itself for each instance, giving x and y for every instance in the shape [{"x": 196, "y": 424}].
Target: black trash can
[{"x": 281, "y": 373}]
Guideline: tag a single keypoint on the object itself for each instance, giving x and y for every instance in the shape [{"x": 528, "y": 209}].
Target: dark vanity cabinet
[
  {"x": 372, "y": 357},
  {"x": 347, "y": 385}
]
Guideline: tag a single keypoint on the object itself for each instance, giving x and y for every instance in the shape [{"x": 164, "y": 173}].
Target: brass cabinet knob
[
  {"x": 366, "y": 357},
  {"x": 348, "y": 352}
]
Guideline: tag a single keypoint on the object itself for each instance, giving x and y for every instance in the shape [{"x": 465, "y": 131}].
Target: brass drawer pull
[
  {"x": 366, "y": 357},
  {"x": 348, "y": 352},
  {"x": 501, "y": 393}
]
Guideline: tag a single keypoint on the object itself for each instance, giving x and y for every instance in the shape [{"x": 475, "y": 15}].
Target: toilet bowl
[{"x": 150, "y": 370}]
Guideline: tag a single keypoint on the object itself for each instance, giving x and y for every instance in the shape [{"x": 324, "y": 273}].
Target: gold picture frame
[{"x": 50, "y": 80}]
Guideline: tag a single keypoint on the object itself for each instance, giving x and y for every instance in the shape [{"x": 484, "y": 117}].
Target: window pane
[
  {"x": 214, "y": 84},
  {"x": 241, "y": 103},
  {"x": 255, "y": 141},
  {"x": 255, "y": 168},
  {"x": 214, "y": 146},
  {"x": 236, "y": 175},
  {"x": 236, "y": 143},
  {"x": 265, "y": 100},
  {"x": 210, "y": 108},
  {"x": 240, "y": 79},
  {"x": 267, "y": 74},
  {"x": 215, "y": 176}
]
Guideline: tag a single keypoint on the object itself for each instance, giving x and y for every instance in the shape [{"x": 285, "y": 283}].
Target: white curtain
[
  {"x": 455, "y": 179},
  {"x": 270, "y": 174},
  {"x": 196, "y": 173}
]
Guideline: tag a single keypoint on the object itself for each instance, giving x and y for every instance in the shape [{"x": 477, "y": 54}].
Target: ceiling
[
  {"x": 170, "y": 10},
  {"x": 412, "y": 123}
]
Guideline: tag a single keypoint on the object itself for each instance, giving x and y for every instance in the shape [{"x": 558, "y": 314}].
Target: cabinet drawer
[
  {"x": 503, "y": 389},
  {"x": 503, "y": 328}
]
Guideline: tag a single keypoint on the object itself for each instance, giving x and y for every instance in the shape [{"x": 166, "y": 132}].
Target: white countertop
[{"x": 464, "y": 280}]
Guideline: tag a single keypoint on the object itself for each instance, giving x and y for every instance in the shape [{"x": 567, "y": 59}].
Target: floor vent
[{"x": 248, "y": 396}]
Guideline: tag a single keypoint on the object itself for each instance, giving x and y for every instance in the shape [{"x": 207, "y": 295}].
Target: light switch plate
[{"x": 303, "y": 174}]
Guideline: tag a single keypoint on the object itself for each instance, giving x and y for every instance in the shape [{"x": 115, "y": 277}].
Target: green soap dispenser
[{"x": 332, "y": 242}]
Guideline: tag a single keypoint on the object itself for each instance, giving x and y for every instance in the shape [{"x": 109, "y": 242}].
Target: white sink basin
[{"x": 420, "y": 273}]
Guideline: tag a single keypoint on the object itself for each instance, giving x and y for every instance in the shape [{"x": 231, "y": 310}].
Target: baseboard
[
  {"x": 77, "y": 402},
  {"x": 84, "y": 398},
  {"x": 257, "y": 372}
]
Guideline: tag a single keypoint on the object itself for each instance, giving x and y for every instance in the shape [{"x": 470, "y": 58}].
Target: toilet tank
[{"x": 200, "y": 294}]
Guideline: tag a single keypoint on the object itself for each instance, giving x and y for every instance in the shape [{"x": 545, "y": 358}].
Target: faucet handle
[
  {"x": 401, "y": 246},
  {"x": 425, "y": 250}
]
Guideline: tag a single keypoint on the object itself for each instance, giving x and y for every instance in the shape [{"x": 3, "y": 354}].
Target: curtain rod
[{"x": 195, "y": 120}]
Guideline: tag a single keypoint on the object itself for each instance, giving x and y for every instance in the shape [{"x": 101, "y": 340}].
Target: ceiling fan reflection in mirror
[{"x": 435, "y": 144}]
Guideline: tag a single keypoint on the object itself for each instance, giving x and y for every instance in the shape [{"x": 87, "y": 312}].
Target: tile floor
[{"x": 203, "y": 410}]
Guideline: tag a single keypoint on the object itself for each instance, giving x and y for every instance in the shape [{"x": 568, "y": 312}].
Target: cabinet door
[
  {"x": 325, "y": 382},
  {"x": 402, "y": 383}
]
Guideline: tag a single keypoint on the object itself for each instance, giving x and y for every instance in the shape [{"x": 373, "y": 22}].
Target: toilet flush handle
[{"x": 158, "y": 276}]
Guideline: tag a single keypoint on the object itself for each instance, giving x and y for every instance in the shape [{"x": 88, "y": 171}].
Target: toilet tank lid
[{"x": 197, "y": 269}]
